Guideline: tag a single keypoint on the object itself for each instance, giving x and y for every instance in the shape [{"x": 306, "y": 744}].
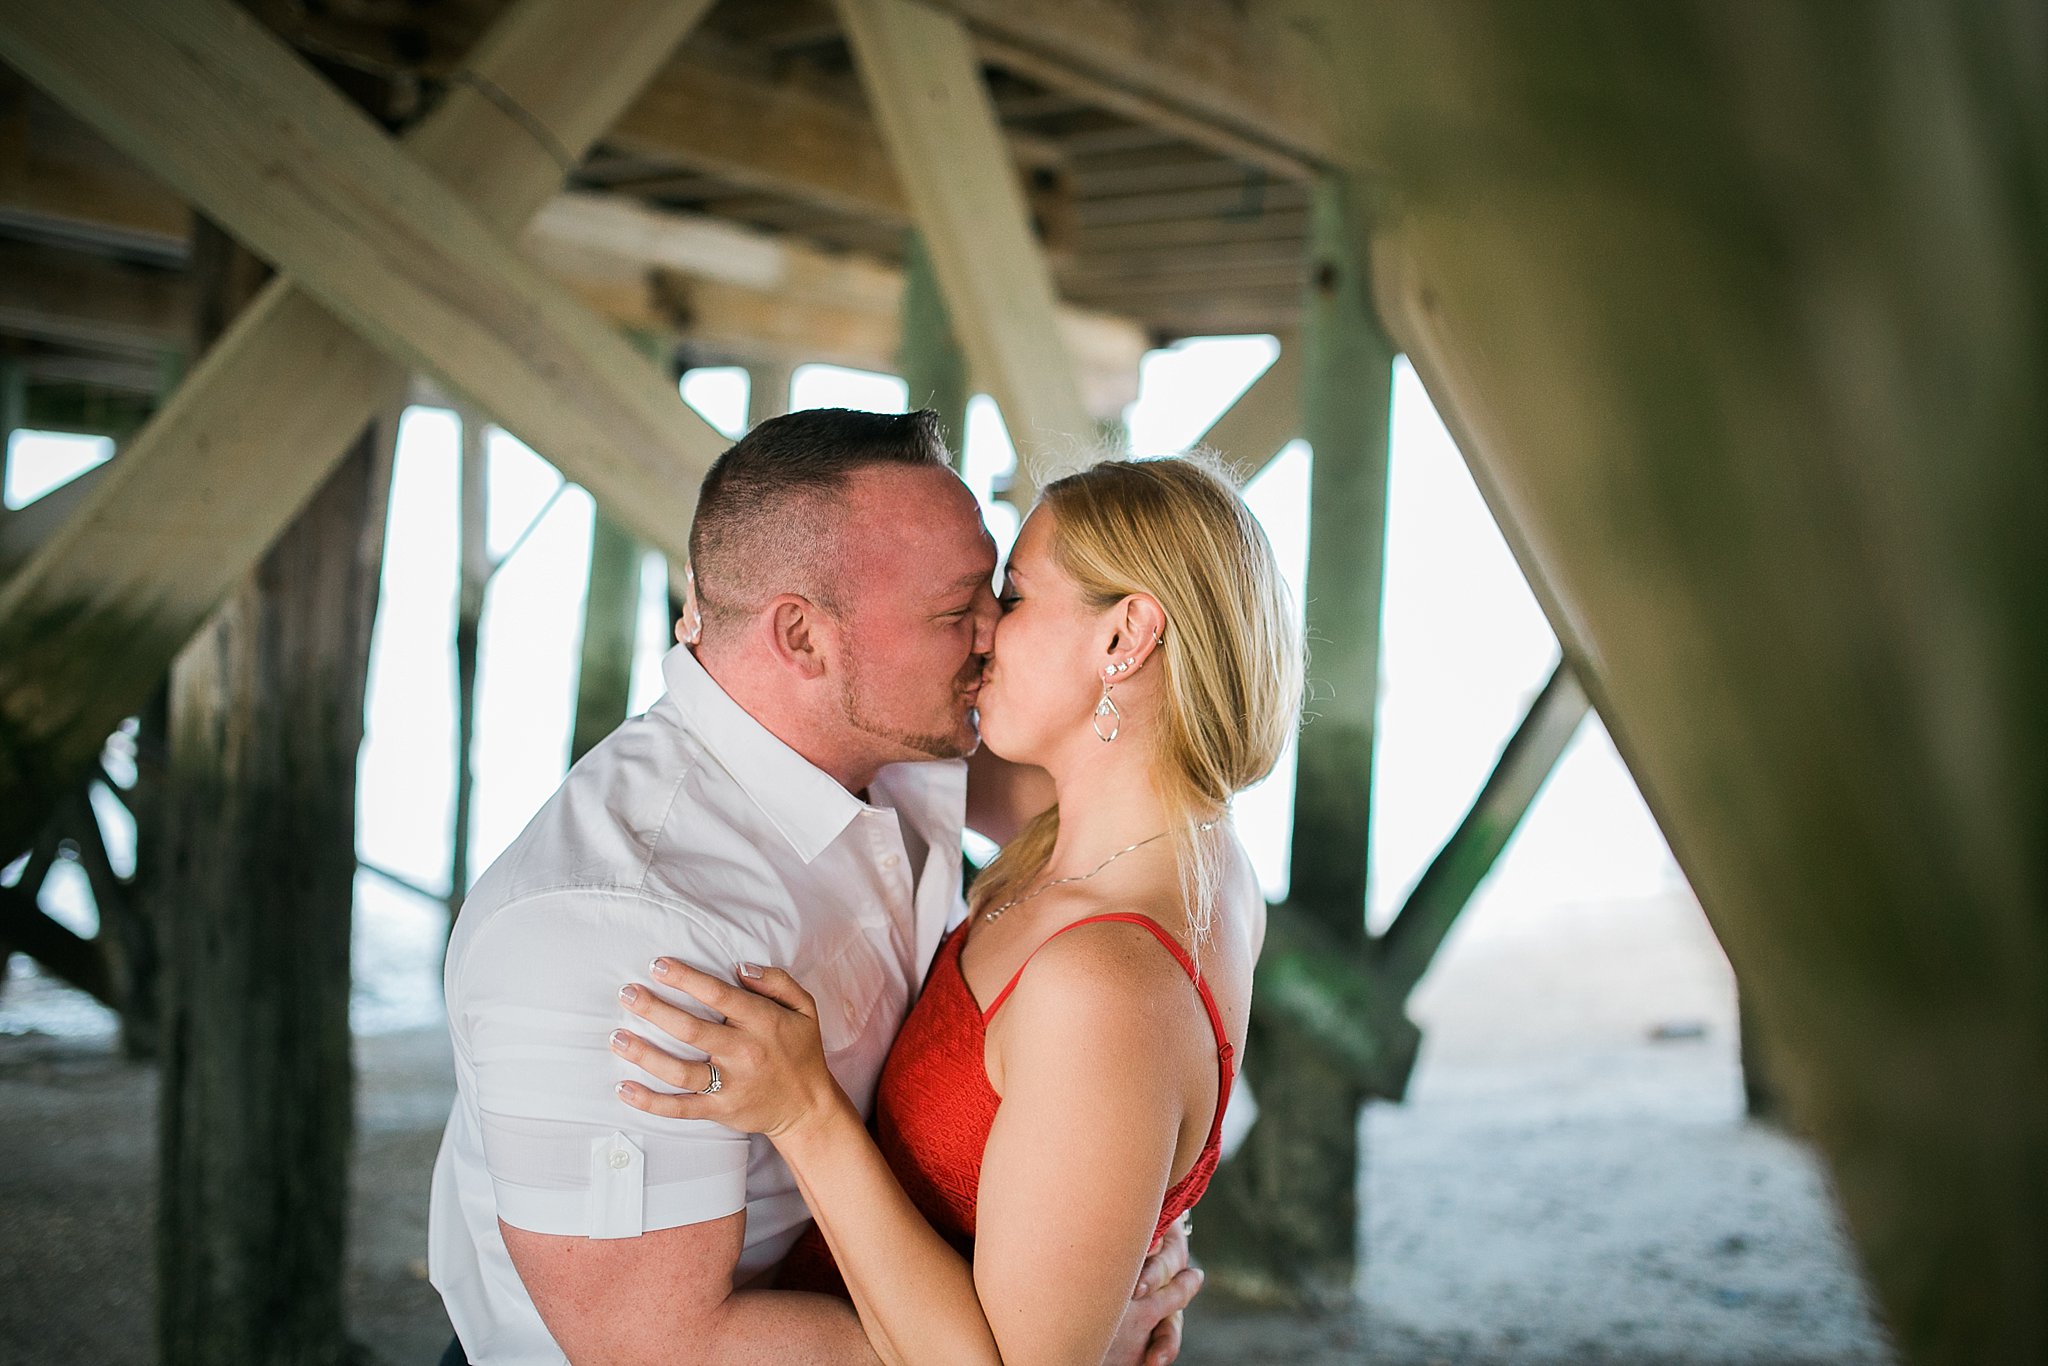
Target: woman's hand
[{"x": 768, "y": 1055}]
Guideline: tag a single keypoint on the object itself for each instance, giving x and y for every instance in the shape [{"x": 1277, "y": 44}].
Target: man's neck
[{"x": 761, "y": 695}]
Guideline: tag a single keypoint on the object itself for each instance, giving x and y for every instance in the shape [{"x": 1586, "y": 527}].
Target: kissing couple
[{"x": 741, "y": 1074}]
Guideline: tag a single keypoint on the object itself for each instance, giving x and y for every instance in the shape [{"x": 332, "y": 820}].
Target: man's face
[{"x": 919, "y": 612}]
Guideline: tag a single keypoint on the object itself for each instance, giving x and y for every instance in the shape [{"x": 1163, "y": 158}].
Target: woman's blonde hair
[{"x": 1175, "y": 528}]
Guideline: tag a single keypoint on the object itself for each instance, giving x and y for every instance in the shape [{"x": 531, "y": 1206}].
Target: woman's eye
[{"x": 1007, "y": 601}]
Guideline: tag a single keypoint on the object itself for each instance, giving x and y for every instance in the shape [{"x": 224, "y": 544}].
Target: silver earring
[{"x": 1107, "y": 707}]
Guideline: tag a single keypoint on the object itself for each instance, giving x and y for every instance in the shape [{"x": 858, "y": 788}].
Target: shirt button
[
  {"x": 621, "y": 1159},
  {"x": 891, "y": 861}
]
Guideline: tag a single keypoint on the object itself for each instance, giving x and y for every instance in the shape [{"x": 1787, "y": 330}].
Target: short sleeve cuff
[{"x": 692, "y": 1200}]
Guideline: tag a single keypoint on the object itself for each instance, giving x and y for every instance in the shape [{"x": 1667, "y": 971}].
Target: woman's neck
[{"x": 1107, "y": 802}]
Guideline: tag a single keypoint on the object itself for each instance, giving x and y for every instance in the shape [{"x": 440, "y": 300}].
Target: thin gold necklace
[{"x": 987, "y": 916}]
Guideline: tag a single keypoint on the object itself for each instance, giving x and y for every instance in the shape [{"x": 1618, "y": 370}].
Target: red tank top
[{"x": 934, "y": 1106}]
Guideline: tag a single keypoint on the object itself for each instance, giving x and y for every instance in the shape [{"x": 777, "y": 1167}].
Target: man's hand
[{"x": 1150, "y": 1332}]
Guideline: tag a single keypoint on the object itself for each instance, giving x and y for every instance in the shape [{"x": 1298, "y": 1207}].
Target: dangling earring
[{"x": 1107, "y": 706}]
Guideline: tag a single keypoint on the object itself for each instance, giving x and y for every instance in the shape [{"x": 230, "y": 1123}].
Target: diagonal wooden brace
[
  {"x": 89, "y": 622},
  {"x": 924, "y": 84}
]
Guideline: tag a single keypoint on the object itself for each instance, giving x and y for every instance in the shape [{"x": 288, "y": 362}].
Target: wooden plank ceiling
[{"x": 1170, "y": 220}]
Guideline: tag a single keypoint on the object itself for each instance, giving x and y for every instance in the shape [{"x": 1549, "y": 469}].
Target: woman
[{"x": 1054, "y": 1099}]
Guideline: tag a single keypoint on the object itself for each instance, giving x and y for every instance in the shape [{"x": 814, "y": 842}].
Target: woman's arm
[{"x": 1065, "y": 1224}]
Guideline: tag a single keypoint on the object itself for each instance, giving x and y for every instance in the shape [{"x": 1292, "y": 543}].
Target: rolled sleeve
[{"x": 538, "y": 993}]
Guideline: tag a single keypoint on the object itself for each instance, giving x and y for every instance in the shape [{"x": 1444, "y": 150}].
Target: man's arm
[
  {"x": 626, "y": 1230},
  {"x": 667, "y": 1296}
]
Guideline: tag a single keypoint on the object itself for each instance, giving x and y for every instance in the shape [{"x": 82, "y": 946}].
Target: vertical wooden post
[
  {"x": 474, "y": 577},
  {"x": 928, "y": 353},
  {"x": 256, "y": 1109},
  {"x": 1281, "y": 1224},
  {"x": 611, "y": 610},
  {"x": 767, "y": 390}
]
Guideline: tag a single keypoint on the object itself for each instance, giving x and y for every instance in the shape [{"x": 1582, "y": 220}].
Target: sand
[{"x": 1570, "y": 1180}]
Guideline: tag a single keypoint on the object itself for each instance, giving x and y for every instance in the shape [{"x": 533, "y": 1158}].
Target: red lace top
[{"x": 934, "y": 1107}]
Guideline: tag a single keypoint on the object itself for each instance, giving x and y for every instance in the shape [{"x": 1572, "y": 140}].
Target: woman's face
[{"x": 1044, "y": 674}]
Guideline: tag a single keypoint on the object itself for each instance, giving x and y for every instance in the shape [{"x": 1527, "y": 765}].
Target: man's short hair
[{"x": 769, "y": 508}]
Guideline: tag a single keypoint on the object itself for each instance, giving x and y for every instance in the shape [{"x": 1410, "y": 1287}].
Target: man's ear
[
  {"x": 798, "y": 635},
  {"x": 1140, "y": 625},
  {"x": 690, "y": 625}
]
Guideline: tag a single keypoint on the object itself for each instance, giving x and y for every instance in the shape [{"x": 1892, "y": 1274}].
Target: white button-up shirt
[{"x": 691, "y": 831}]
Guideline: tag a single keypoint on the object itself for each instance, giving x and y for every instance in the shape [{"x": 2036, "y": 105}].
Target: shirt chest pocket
[{"x": 849, "y": 991}]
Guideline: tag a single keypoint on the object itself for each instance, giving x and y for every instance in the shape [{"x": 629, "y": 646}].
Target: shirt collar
[{"x": 801, "y": 800}]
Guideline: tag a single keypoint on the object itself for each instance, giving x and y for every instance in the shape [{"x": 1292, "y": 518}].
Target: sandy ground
[{"x": 1571, "y": 1180}]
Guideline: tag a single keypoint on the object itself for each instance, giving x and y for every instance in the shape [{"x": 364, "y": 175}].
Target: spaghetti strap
[
  {"x": 1224, "y": 1052},
  {"x": 1180, "y": 956}
]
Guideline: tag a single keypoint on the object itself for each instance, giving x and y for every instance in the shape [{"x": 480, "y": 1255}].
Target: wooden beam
[
  {"x": 1767, "y": 432},
  {"x": 58, "y": 176},
  {"x": 258, "y": 874},
  {"x": 739, "y": 292},
  {"x": 611, "y": 612},
  {"x": 372, "y": 233},
  {"x": 88, "y": 625},
  {"x": 75, "y": 298},
  {"x": 1265, "y": 417},
  {"x": 1242, "y": 70},
  {"x": 925, "y": 87},
  {"x": 932, "y": 363},
  {"x": 1287, "y": 1203},
  {"x": 1140, "y": 106},
  {"x": 1409, "y": 944}
]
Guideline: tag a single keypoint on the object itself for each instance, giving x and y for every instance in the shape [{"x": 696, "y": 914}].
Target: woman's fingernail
[
  {"x": 659, "y": 967},
  {"x": 749, "y": 970},
  {"x": 623, "y": 1089},
  {"x": 629, "y": 993},
  {"x": 621, "y": 1040}
]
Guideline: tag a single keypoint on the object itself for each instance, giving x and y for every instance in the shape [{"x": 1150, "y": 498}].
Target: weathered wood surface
[
  {"x": 255, "y": 883},
  {"x": 1263, "y": 419},
  {"x": 926, "y": 90},
  {"x": 611, "y": 611},
  {"x": 88, "y": 625},
  {"x": 929, "y": 357},
  {"x": 1281, "y": 1221},
  {"x": 1222, "y": 63},
  {"x": 1741, "y": 314}
]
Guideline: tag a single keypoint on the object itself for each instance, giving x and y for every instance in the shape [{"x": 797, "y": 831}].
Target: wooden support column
[
  {"x": 767, "y": 390},
  {"x": 924, "y": 84},
  {"x": 1281, "y": 1222},
  {"x": 473, "y": 577},
  {"x": 89, "y": 624},
  {"x": 929, "y": 355},
  {"x": 611, "y": 611},
  {"x": 1763, "y": 418},
  {"x": 257, "y": 876}
]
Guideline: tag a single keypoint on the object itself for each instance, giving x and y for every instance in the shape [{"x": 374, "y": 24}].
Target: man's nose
[{"x": 986, "y": 614}]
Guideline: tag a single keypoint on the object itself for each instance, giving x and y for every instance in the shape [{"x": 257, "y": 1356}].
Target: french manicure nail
[
  {"x": 629, "y": 993},
  {"x": 621, "y": 1039},
  {"x": 749, "y": 970},
  {"x": 659, "y": 967}
]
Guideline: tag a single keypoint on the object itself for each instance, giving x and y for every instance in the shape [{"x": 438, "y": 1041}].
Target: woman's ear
[
  {"x": 797, "y": 633},
  {"x": 1140, "y": 628}
]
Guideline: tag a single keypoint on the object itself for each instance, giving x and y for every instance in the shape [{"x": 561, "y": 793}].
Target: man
[{"x": 782, "y": 803}]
